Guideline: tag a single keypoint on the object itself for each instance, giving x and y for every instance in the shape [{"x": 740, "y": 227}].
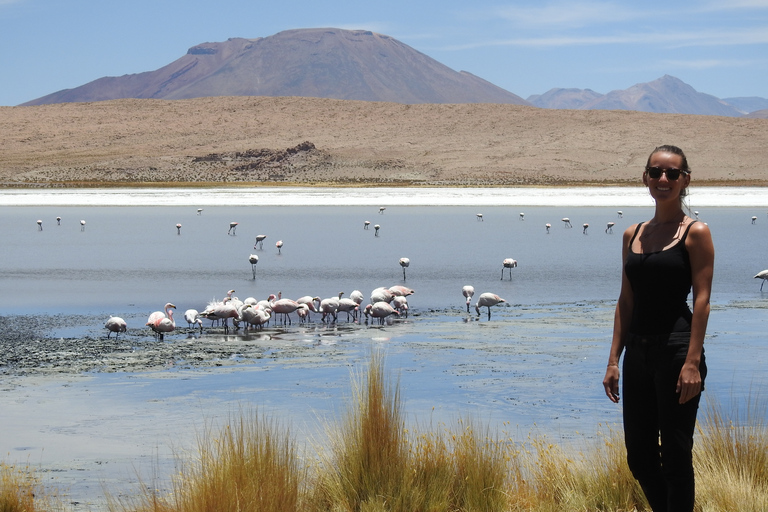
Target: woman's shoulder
[
  {"x": 698, "y": 234},
  {"x": 631, "y": 230}
]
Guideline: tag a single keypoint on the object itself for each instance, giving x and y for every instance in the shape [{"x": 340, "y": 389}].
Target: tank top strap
[
  {"x": 687, "y": 229},
  {"x": 637, "y": 229}
]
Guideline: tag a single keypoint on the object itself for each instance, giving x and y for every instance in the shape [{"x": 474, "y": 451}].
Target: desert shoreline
[{"x": 291, "y": 141}]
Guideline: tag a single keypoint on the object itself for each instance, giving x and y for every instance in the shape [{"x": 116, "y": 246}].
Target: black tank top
[{"x": 661, "y": 282}]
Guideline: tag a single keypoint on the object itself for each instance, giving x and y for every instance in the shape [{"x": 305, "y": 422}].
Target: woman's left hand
[{"x": 689, "y": 382}]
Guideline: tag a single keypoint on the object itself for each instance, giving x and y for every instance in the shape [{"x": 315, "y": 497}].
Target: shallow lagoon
[{"x": 536, "y": 365}]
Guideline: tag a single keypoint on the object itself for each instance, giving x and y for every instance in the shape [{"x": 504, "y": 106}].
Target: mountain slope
[{"x": 322, "y": 63}]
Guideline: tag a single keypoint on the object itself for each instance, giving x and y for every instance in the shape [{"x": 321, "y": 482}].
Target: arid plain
[{"x": 307, "y": 141}]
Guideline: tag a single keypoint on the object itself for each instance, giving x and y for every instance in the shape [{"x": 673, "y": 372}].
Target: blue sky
[{"x": 526, "y": 47}]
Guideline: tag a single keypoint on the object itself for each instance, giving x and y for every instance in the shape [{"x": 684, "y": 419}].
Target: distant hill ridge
[
  {"x": 363, "y": 65},
  {"x": 668, "y": 95}
]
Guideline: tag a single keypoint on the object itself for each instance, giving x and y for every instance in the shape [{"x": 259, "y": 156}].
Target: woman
[{"x": 664, "y": 366}]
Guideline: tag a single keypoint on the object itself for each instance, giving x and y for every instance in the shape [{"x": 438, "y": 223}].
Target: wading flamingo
[
  {"x": 380, "y": 310},
  {"x": 312, "y": 304},
  {"x": 260, "y": 241},
  {"x": 400, "y": 303},
  {"x": 585, "y": 226},
  {"x": 284, "y": 307},
  {"x": 279, "y": 245},
  {"x": 486, "y": 300},
  {"x": 329, "y": 307},
  {"x": 232, "y": 228},
  {"x": 510, "y": 264},
  {"x": 566, "y": 222},
  {"x": 82, "y": 225},
  {"x": 400, "y": 291},
  {"x": 405, "y": 263},
  {"x": 178, "y": 229},
  {"x": 253, "y": 259},
  {"x": 366, "y": 224},
  {"x": 468, "y": 291},
  {"x": 376, "y": 228},
  {"x": 115, "y": 324},
  {"x": 161, "y": 322},
  {"x": 763, "y": 274},
  {"x": 40, "y": 224},
  {"x": 382, "y": 294},
  {"x": 609, "y": 227},
  {"x": 192, "y": 316}
]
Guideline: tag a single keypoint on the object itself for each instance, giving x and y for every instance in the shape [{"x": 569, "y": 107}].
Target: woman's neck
[{"x": 668, "y": 214}]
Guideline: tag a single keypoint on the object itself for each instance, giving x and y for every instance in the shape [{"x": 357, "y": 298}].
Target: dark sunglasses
[{"x": 672, "y": 174}]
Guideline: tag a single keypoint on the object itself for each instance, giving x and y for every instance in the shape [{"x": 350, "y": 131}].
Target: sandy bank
[{"x": 306, "y": 141}]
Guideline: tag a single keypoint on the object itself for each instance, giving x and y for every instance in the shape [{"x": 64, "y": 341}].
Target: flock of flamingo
[{"x": 252, "y": 313}]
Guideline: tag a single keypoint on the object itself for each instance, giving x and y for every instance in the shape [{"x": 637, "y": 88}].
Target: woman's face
[{"x": 663, "y": 188}]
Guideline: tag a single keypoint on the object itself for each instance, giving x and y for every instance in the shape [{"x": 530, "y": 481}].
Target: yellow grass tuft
[
  {"x": 731, "y": 459},
  {"x": 22, "y": 491},
  {"x": 249, "y": 465}
]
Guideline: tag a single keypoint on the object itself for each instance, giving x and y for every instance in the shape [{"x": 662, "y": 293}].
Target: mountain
[
  {"x": 321, "y": 63},
  {"x": 665, "y": 95},
  {"x": 758, "y": 114},
  {"x": 749, "y": 104},
  {"x": 564, "y": 98}
]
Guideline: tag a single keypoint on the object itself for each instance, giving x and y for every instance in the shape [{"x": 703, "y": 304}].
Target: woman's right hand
[{"x": 611, "y": 383}]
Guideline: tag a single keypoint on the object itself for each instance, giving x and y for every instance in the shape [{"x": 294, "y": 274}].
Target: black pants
[{"x": 658, "y": 431}]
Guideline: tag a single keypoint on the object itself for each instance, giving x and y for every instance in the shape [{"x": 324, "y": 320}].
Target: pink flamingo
[
  {"x": 161, "y": 322},
  {"x": 232, "y": 228},
  {"x": 115, "y": 324},
  {"x": 468, "y": 291},
  {"x": 357, "y": 296},
  {"x": 487, "y": 300},
  {"x": 192, "y": 316},
  {"x": 510, "y": 264},
  {"x": 309, "y": 301},
  {"x": 253, "y": 259},
  {"x": 302, "y": 312},
  {"x": 284, "y": 307},
  {"x": 380, "y": 310},
  {"x": 40, "y": 224},
  {"x": 382, "y": 294},
  {"x": 252, "y": 315},
  {"x": 178, "y": 229},
  {"x": 260, "y": 241},
  {"x": 400, "y": 291},
  {"x": 330, "y": 307},
  {"x": 347, "y": 306},
  {"x": 400, "y": 303},
  {"x": 405, "y": 263},
  {"x": 279, "y": 246}
]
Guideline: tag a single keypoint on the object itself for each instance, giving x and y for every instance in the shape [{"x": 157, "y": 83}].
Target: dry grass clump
[
  {"x": 731, "y": 460},
  {"x": 249, "y": 465},
  {"x": 22, "y": 491},
  {"x": 376, "y": 464}
]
